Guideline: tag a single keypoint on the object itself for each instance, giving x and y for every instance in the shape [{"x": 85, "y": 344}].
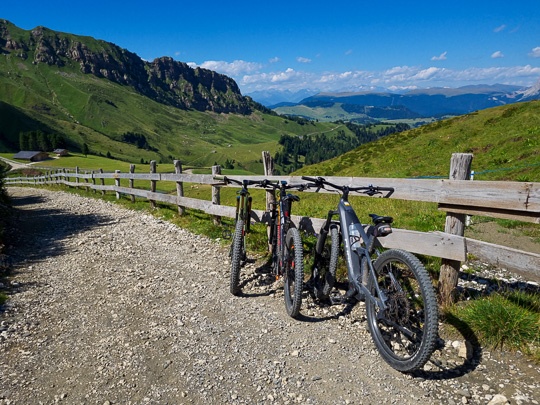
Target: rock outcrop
[{"x": 164, "y": 79}]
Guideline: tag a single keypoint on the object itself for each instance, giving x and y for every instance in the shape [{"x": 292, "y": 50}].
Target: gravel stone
[{"x": 112, "y": 306}]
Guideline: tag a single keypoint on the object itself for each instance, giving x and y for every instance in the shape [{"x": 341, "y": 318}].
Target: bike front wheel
[
  {"x": 405, "y": 333},
  {"x": 237, "y": 254},
  {"x": 294, "y": 272}
]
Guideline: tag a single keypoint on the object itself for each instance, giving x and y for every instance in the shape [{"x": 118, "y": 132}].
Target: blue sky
[{"x": 325, "y": 46}]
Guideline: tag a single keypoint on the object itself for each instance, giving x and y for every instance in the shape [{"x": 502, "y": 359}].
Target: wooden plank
[
  {"x": 188, "y": 178},
  {"x": 514, "y": 196},
  {"x": 132, "y": 176},
  {"x": 524, "y": 216},
  {"x": 526, "y": 264}
]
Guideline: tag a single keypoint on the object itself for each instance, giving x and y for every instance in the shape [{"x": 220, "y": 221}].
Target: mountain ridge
[{"x": 164, "y": 79}]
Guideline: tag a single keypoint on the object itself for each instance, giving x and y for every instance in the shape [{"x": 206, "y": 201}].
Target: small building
[
  {"x": 32, "y": 156},
  {"x": 61, "y": 152}
]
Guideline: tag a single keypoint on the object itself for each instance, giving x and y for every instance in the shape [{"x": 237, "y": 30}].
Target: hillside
[
  {"x": 91, "y": 91},
  {"x": 501, "y": 137}
]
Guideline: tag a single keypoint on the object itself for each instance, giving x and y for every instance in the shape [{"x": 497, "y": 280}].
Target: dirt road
[{"x": 111, "y": 306}]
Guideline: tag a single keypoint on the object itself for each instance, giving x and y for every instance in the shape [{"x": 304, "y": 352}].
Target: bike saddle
[
  {"x": 293, "y": 197},
  {"x": 377, "y": 219}
]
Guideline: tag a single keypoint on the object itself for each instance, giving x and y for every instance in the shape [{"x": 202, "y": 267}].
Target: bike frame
[
  {"x": 243, "y": 208},
  {"x": 281, "y": 211},
  {"x": 354, "y": 255}
]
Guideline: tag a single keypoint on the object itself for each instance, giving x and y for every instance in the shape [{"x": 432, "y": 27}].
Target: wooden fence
[{"x": 511, "y": 200}]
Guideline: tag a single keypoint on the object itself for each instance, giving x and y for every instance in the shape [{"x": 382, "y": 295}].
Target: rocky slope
[{"x": 164, "y": 80}]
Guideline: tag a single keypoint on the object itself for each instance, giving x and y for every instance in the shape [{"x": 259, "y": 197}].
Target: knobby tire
[
  {"x": 236, "y": 257},
  {"x": 294, "y": 272},
  {"x": 406, "y": 333}
]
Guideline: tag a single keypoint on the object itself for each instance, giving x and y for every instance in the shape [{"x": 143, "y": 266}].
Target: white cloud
[
  {"x": 500, "y": 28},
  {"x": 442, "y": 56},
  {"x": 497, "y": 54},
  {"x": 303, "y": 60},
  {"x": 230, "y": 68},
  {"x": 535, "y": 53},
  {"x": 395, "y": 78},
  {"x": 274, "y": 60}
]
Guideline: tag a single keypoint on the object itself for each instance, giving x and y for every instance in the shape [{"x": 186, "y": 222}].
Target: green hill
[
  {"x": 500, "y": 138},
  {"x": 94, "y": 92}
]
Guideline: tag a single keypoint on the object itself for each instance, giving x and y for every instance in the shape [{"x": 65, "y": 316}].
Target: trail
[{"x": 113, "y": 306}]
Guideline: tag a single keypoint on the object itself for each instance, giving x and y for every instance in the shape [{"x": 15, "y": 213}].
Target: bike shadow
[
  {"x": 466, "y": 365},
  {"x": 265, "y": 277},
  {"x": 348, "y": 306}
]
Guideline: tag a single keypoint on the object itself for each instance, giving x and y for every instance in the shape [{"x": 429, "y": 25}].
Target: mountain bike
[
  {"x": 287, "y": 249},
  {"x": 237, "y": 252},
  {"x": 401, "y": 305}
]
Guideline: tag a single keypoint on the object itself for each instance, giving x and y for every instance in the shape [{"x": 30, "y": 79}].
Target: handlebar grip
[{"x": 314, "y": 180}]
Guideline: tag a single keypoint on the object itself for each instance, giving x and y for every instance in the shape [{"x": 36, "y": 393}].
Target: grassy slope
[
  {"x": 97, "y": 112},
  {"x": 500, "y": 137}
]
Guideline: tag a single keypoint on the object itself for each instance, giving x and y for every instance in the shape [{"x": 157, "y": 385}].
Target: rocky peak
[{"x": 164, "y": 79}]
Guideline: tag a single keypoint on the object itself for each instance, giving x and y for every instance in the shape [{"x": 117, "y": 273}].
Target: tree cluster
[
  {"x": 320, "y": 147},
  {"x": 139, "y": 140},
  {"x": 39, "y": 140}
]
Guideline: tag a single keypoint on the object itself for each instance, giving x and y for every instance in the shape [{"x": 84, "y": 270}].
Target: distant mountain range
[{"x": 434, "y": 102}]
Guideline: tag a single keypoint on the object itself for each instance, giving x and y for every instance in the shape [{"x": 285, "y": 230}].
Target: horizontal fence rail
[{"x": 511, "y": 200}]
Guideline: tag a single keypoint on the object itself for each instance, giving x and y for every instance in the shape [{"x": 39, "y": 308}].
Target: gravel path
[{"x": 111, "y": 306}]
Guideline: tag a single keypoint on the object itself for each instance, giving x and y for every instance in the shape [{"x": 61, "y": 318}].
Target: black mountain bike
[
  {"x": 237, "y": 251},
  {"x": 287, "y": 250},
  {"x": 401, "y": 305}
]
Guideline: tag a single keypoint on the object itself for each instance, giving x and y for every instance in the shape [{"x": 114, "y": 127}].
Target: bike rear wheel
[
  {"x": 293, "y": 272},
  {"x": 324, "y": 271},
  {"x": 405, "y": 333},
  {"x": 237, "y": 254}
]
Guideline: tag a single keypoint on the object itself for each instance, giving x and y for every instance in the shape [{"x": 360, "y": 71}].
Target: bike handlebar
[
  {"x": 278, "y": 185},
  {"x": 369, "y": 190}
]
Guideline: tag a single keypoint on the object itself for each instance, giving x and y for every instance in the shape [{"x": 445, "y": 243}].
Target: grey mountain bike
[{"x": 401, "y": 305}]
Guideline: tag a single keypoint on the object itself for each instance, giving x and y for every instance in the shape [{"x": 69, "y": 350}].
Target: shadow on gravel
[
  {"x": 467, "y": 366},
  {"x": 265, "y": 275},
  {"x": 35, "y": 234},
  {"x": 493, "y": 286}
]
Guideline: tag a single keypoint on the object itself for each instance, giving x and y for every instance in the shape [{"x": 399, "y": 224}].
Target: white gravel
[{"x": 111, "y": 306}]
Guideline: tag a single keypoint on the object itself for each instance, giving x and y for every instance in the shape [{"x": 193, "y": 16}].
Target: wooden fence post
[
  {"x": 216, "y": 171},
  {"x": 86, "y": 183},
  {"x": 117, "y": 183},
  {"x": 131, "y": 181},
  {"x": 77, "y": 178},
  {"x": 93, "y": 181},
  {"x": 153, "y": 183},
  {"x": 179, "y": 186},
  {"x": 268, "y": 164},
  {"x": 460, "y": 169},
  {"x": 102, "y": 182}
]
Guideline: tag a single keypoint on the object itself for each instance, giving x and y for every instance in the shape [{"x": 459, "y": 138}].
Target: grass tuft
[{"x": 505, "y": 320}]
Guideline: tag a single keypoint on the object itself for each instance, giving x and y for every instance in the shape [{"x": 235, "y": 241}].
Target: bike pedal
[{"x": 338, "y": 299}]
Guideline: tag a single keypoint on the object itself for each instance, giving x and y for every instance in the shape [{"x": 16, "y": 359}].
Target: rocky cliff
[{"x": 164, "y": 80}]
